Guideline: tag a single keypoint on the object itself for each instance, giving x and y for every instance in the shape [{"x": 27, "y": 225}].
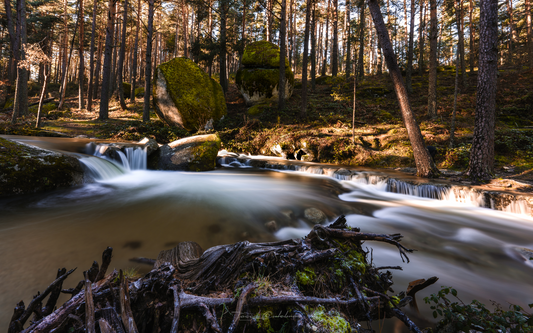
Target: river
[{"x": 476, "y": 250}]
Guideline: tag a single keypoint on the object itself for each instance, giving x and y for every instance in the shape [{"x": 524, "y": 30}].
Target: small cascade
[
  {"x": 129, "y": 158},
  {"x": 110, "y": 161},
  {"x": 451, "y": 193},
  {"x": 100, "y": 169},
  {"x": 518, "y": 207}
]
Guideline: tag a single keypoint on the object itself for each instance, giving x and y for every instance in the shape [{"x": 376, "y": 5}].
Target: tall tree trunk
[
  {"x": 348, "y": 69},
  {"x": 471, "y": 28},
  {"x": 432, "y": 89},
  {"x": 108, "y": 54},
  {"x": 65, "y": 51},
  {"x": 223, "y": 53},
  {"x": 421, "y": 39},
  {"x": 121, "y": 58},
  {"x": 335, "y": 44},
  {"x": 460, "y": 32},
  {"x": 81, "y": 38},
  {"x": 512, "y": 35},
  {"x": 481, "y": 166},
  {"x": 360, "y": 62},
  {"x": 424, "y": 163},
  {"x": 456, "y": 93},
  {"x": 282, "y": 46},
  {"x": 243, "y": 32},
  {"x": 325, "y": 61},
  {"x": 98, "y": 67},
  {"x": 135, "y": 53},
  {"x": 148, "y": 70},
  {"x": 291, "y": 46},
  {"x": 303, "y": 106},
  {"x": 185, "y": 18},
  {"x": 529, "y": 33},
  {"x": 410, "y": 51},
  {"x": 313, "y": 49},
  {"x": 12, "y": 68},
  {"x": 269, "y": 20},
  {"x": 91, "y": 60},
  {"x": 43, "y": 94},
  {"x": 20, "y": 106}
]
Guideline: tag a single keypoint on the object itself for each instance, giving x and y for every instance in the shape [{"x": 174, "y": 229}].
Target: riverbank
[{"x": 379, "y": 139}]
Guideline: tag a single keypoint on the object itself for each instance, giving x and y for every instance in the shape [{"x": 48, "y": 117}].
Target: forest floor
[{"x": 380, "y": 138}]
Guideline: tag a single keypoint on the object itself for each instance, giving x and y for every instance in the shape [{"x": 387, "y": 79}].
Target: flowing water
[{"x": 139, "y": 213}]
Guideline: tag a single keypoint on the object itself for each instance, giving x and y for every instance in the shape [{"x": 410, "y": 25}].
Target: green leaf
[{"x": 454, "y": 292}]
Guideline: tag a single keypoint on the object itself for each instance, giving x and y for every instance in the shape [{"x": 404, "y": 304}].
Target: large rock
[
  {"x": 259, "y": 78},
  {"x": 27, "y": 169},
  {"x": 185, "y": 96},
  {"x": 196, "y": 153}
]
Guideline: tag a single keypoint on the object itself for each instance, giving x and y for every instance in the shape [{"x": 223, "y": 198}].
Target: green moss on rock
[
  {"x": 196, "y": 98},
  {"x": 127, "y": 89},
  {"x": 204, "y": 155},
  {"x": 27, "y": 169},
  {"x": 262, "y": 54},
  {"x": 331, "y": 321},
  {"x": 259, "y": 85}
]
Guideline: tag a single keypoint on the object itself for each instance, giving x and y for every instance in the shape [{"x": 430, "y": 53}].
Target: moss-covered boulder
[
  {"x": 26, "y": 169},
  {"x": 259, "y": 78},
  {"x": 196, "y": 153},
  {"x": 127, "y": 89},
  {"x": 185, "y": 96}
]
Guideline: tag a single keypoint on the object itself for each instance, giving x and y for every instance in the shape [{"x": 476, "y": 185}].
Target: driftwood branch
[{"x": 328, "y": 268}]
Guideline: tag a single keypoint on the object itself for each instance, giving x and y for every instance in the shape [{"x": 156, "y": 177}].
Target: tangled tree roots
[{"x": 323, "y": 282}]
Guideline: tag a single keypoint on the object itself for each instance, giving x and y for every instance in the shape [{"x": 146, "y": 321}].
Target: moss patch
[
  {"x": 330, "y": 321},
  {"x": 262, "y": 54},
  {"x": 196, "y": 97},
  {"x": 204, "y": 155},
  {"x": 27, "y": 170}
]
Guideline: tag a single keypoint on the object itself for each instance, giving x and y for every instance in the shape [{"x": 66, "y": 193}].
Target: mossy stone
[
  {"x": 196, "y": 153},
  {"x": 127, "y": 89},
  {"x": 258, "y": 85},
  {"x": 26, "y": 169},
  {"x": 185, "y": 96},
  {"x": 262, "y": 54},
  {"x": 258, "y": 109},
  {"x": 139, "y": 92}
]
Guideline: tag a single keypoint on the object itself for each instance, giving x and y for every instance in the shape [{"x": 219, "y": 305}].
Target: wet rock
[
  {"x": 271, "y": 226},
  {"x": 315, "y": 216},
  {"x": 27, "y": 169},
  {"x": 196, "y": 153},
  {"x": 150, "y": 144},
  {"x": 185, "y": 96},
  {"x": 258, "y": 80}
]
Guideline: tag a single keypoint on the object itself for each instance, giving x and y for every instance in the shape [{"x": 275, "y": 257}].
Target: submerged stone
[
  {"x": 196, "y": 153},
  {"x": 258, "y": 80},
  {"x": 185, "y": 96},
  {"x": 27, "y": 169}
]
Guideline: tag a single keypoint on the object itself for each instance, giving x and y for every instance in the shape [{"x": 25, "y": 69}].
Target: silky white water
[{"x": 476, "y": 250}]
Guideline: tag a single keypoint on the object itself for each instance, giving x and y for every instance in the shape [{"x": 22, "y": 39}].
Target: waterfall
[
  {"x": 110, "y": 161},
  {"x": 452, "y": 193}
]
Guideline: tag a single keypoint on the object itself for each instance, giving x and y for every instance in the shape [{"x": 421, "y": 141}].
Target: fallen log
[{"x": 238, "y": 287}]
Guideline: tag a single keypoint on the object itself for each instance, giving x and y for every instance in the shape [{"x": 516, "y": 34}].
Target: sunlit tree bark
[
  {"x": 335, "y": 44},
  {"x": 91, "y": 60},
  {"x": 282, "y": 46},
  {"x": 303, "y": 106},
  {"x": 20, "y": 106},
  {"x": 410, "y": 51},
  {"x": 424, "y": 163},
  {"x": 432, "y": 89},
  {"x": 133, "y": 77},
  {"x": 81, "y": 75},
  {"x": 122, "y": 56},
  {"x": 148, "y": 61},
  {"x": 106, "y": 79},
  {"x": 481, "y": 166}
]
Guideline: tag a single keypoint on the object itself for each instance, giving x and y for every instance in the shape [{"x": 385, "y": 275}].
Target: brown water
[{"x": 140, "y": 213}]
